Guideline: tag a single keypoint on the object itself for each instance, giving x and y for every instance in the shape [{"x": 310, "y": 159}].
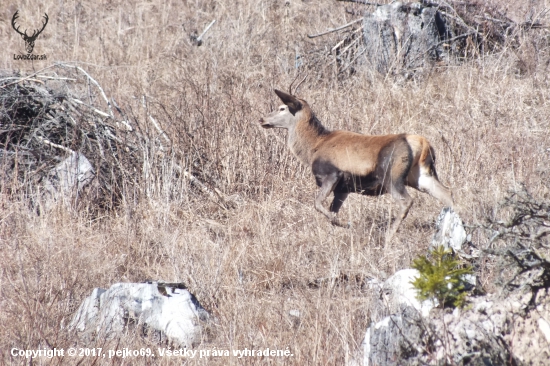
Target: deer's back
[{"x": 359, "y": 154}]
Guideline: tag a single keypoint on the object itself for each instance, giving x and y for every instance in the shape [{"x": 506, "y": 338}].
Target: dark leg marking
[
  {"x": 327, "y": 177},
  {"x": 338, "y": 201}
]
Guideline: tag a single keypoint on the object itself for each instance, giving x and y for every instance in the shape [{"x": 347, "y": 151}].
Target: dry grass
[{"x": 489, "y": 121}]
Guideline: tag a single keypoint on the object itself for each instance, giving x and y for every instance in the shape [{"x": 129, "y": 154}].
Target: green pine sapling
[{"x": 441, "y": 278}]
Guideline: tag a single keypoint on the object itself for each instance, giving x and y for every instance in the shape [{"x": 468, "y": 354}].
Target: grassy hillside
[{"x": 270, "y": 252}]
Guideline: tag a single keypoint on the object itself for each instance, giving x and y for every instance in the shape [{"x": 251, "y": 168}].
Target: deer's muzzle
[{"x": 265, "y": 124}]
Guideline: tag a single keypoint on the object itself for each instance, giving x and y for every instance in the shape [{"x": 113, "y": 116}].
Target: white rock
[
  {"x": 366, "y": 341},
  {"x": 163, "y": 307},
  {"x": 483, "y": 306},
  {"x": 450, "y": 231},
  {"x": 544, "y": 327},
  {"x": 383, "y": 323},
  {"x": 366, "y": 347},
  {"x": 398, "y": 290},
  {"x": 295, "y": 313},
  {"x": 488, "y": 326},
  {"x": 383, "y": 13},
  {"x": 471, "y": 333},
  {"x": 69, "y": 176}
]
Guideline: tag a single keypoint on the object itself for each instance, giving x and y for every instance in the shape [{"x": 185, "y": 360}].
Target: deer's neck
[{"x": 305, "y": 135}]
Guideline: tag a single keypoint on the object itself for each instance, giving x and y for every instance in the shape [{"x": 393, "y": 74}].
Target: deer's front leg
[{"x": 327, "y": 182}]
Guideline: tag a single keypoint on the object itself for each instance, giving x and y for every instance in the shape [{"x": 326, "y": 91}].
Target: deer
[
  {"x": 29, "y": 40},
  {"x": 345, "y": 162}
]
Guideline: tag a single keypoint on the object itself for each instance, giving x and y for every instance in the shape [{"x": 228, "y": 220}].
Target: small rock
[
  {"x": 69, "y": 176},
  {"x": 526, "y": 299},
  {"x": 544, "y": 327},
  {"x": 449, "y": 232},
  {"x": 294, "y": 312},
  {"x": 399, "y": 291},
  {"x": 387, "y": 342},
  {"x": 483, "y": 306},
  {"x": 167, "y": 308},
  {"x": 487, "y": 325}
]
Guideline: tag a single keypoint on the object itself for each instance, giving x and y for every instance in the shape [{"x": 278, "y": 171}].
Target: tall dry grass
[{"x": 271, "y": 252}]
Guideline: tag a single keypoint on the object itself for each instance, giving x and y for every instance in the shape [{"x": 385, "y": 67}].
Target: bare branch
[
  {"x": 48, "y": 142},
  {"x": 103, "y": 114},
  {"x": 27, "y": 77},
  {"x": 198, "y": 41},
  {"x": 96, "y": 84},
  {"x": 335, "y": 29},
  {"x": 363, "y": 2},
  {"x": 160, "y": 130}
]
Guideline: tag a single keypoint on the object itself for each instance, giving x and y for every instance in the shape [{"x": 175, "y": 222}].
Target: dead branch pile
[
  {"x": 344, "y": 54},
  {"x": 57, "y": 112},
  {"x": 403, "y": 37},
  {"x": 62, "y": 112},
  {"x": 478, "y": 27},
  {"x": 524, "y": 241}
]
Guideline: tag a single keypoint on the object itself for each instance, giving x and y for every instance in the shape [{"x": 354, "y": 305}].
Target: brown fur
[{"x": 346, "y": 162}]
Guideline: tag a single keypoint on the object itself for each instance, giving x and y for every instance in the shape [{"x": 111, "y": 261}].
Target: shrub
[{"x": 441, "y": 278}]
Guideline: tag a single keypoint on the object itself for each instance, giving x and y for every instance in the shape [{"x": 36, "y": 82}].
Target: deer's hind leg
[
  {"x": 396, "y": 175},
  {"x": 338, "y": 201},
  {"x": 405, "y": 201}
]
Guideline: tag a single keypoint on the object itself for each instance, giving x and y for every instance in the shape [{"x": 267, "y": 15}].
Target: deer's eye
[{"x": 282, "y": 109}]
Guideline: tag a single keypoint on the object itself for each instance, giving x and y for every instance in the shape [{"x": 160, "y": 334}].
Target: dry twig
[{"x": 335, "y": 29}]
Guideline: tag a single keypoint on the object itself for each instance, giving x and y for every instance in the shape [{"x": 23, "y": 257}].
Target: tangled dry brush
[{"x": 189, "y": 189}]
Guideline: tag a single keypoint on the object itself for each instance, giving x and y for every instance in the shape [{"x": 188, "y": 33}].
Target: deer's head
[{"x": 286, "y": 115}]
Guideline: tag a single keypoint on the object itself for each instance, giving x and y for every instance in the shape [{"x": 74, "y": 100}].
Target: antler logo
[{"x": 29, "y": 40}]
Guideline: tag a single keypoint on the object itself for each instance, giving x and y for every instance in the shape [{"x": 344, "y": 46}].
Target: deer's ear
[{"x": 294, "y": 105}]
